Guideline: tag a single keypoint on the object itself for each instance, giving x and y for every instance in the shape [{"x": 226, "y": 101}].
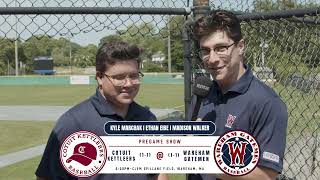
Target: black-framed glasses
[
  {"x": 221, "y": 50},
  {"x": 121, "y": 79}
]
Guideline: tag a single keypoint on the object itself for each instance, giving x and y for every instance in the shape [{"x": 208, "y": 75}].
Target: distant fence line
[{"x": 152, "y": 78}]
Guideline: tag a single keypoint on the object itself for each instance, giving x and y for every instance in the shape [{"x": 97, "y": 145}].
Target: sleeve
[
  {"x": 50, "y": 166},
  {"x": 269, "y": 129}
]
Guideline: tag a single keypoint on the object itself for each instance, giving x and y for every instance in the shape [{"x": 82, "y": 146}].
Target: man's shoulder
[
  {"x": 82, "y": 108},
  {"x": 261, "y": 91},
  {"x": 71, "y": 120},
  {"x": 263, "y": 95},
  {"x": 143, "y": 112},
  {"x": 77, "y": 110}
]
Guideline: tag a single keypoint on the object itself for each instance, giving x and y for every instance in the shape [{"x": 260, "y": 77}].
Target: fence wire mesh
[{"x": 283, "y": 52}]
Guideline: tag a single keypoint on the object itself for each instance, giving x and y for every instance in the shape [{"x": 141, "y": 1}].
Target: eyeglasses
[
  {"x": 204, "y": 53},
  {"x": 121, "y": 79}
]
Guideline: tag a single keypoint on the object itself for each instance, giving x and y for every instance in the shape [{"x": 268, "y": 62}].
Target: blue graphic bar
[{"x": 160, "y": 128}]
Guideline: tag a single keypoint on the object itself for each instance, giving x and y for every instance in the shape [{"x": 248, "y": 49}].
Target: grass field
[
  {"x": 18, "y": 135},
  {"x": 20, "y": 171},
  {"x": 153, "y": 95}
]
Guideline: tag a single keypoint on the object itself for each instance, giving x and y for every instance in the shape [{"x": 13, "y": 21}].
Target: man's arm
[{"x": 260, "y": 173}]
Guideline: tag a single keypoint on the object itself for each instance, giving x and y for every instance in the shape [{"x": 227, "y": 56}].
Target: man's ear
[
  {"x": 99, "y": 77},
  {"x": 241, "y": 47}
]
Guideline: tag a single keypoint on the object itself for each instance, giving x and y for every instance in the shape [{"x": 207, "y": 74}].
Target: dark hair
[
  {"x": 111, "y": 52},
  {"x": 218, "y": 20}
]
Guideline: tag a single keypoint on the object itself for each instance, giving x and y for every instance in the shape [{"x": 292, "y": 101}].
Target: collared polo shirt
[
  {"x": 90, "y": 115},
  {"x": 252, "y": 106}
]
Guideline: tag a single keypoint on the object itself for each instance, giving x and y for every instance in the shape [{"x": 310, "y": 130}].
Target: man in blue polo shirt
[
  {"x": 118, "y": 77},
  {"x": 238, "y": 100}
]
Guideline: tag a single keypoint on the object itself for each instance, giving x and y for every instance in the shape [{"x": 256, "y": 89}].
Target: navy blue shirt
[
  {"x": 252, "y": 106},
  {"x": 90, "y": 115}
]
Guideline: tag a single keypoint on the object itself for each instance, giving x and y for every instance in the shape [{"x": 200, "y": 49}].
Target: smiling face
[
  {"x": 226, "y": 67},
  {"x": 119, "y": 96}
]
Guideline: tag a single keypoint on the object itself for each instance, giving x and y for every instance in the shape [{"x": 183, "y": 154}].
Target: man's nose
[
  {"x": 128, "y": 82},
  {"x": 213, "y": 58}
]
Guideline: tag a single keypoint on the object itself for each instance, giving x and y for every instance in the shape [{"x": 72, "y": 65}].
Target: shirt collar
[
  {"x": 101, "y": 104},
  {"x": 242, "y": 84},
  {"x": 104, "y": 108}
]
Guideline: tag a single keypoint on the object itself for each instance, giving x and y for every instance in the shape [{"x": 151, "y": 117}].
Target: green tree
[
  {"x": 292, "y": 44},
  {"x": 85, "y": 56},
  {"x": 43, "y": 45},
  {"x": 7, "y": 54},
  {"x": 144, "y": 35},
  {"x": 110, "y": 38},
  {"x": 175, "y": 25}
]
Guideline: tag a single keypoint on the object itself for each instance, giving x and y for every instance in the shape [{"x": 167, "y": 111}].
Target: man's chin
[{"x": 126, "y": 101}]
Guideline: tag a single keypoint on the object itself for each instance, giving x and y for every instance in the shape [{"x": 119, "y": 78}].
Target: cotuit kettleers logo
[{"x": 83, "y": 154}]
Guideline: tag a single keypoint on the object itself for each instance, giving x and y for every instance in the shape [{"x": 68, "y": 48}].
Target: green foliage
[
  {"x": 175, "y": 27},
  {"x": 144, "y": 35},
  {"x": 66, "y": 53},
  {"x": 7, "y": 54},
  {"x": 151, "y": 42},
  {"x": 85, "y": 56},
  {"x": 151, "y": 67},
  {"x": 43, "y": 45},
  {"x": 110, "y": 38},
  {"x": 268, "y": 5},
  {"x": 292, "y": 47}
]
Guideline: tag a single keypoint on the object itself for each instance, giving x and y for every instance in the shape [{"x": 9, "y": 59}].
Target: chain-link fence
[
  {"x": 285, "y": 54},
  {"x": 282, "y": 48}
]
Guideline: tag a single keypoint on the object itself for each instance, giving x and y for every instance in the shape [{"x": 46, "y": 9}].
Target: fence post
[
  {"x": 187, "y": 67},
  {"x": 200, "y": 7}
]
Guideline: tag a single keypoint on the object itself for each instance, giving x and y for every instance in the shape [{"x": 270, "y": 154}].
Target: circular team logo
[
  {"x": 83, "y": 154},
  {"x": 236, "y": 153}
]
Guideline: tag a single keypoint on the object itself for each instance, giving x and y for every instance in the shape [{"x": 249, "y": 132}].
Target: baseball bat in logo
[
  {"x": 83, "y": 154},
  {"x": 236, "y": 153}
]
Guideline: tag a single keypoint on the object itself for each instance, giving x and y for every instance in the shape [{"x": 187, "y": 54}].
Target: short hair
[
  {"x": 111, "y": 52},
  {"x": 218, "y": 20}
]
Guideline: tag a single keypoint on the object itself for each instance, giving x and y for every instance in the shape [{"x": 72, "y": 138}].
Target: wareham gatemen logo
[
  {"x": 236, "y": 153},
  {"x": 83, "y": 154}
]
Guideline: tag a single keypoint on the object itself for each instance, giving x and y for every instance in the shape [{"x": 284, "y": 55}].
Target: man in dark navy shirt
[
  {"x": 118, "y": 77},
  {"x": 238, "y": 100}
]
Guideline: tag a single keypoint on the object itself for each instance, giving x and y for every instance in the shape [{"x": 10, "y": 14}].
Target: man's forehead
[
  {"x": 215, "y": 38},
  {"x": 122, "y": 64}
]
